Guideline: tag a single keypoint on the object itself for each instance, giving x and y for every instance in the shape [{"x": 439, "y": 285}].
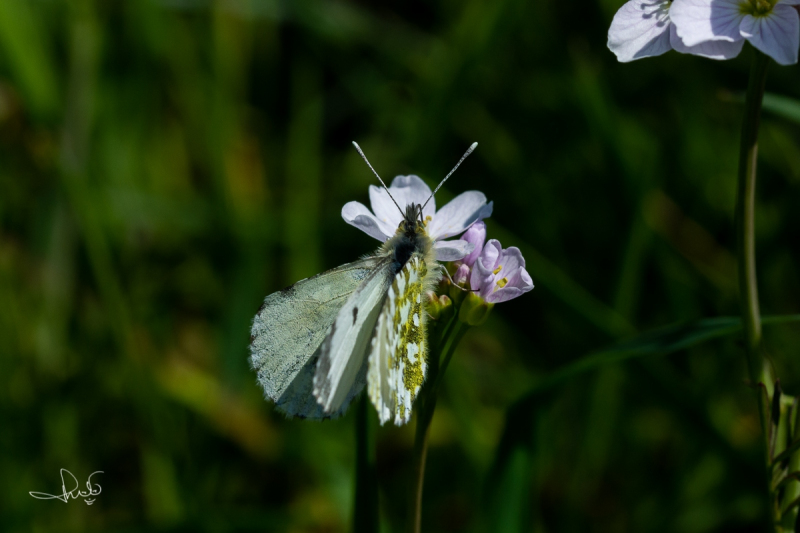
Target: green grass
[{"x": 166, "y": 164}]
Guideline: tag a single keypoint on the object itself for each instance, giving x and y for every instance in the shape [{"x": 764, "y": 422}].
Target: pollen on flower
[
  {"x": 497, "y": 270},
  {"x": 501, "y": 282},
  {"x": 756, "y": 8}
]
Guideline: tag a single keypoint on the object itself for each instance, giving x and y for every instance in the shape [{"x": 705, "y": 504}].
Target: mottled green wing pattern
[
  {"x": 399, "y": 346},
  {"x": 290, "y": 327}
]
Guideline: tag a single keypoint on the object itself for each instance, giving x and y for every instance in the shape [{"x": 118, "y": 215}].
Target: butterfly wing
[
  {"x": 397, "y": 360},
  {"x": 288, "y": 330},
  {"x": 342, "y": 353}
]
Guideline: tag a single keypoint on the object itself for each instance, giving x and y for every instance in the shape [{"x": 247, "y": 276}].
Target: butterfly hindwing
[
  {"x": 399, "y": 346},
  {"x": 343, "y": 351},
  {"x": 290, "y": 327}
]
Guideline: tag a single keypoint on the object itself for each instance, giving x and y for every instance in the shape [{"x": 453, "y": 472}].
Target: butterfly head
[
  {"x": 413, "y": 223},
  {"x": 412, "y": 235}
]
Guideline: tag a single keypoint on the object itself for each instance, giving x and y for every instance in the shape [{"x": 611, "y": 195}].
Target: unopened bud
[
  {"x": 474, "y": 310},
  {"x": 461, "y": 275},
  {"x": 458, "y": 288},
  {"x": 439, "y": 307}
]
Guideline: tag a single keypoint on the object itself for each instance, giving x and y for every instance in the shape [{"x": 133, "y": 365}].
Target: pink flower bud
[
  {"x": 461, "y": 275},
  {"x": 476, "y": 234}
]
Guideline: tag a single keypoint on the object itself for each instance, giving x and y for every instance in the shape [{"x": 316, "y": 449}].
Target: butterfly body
[{"x": 399, "y": 347}]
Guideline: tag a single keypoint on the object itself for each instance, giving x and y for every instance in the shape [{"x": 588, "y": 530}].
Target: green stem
[
  {"x": 746, "y": 246},
  {"x": 453, "y": 339},
  {"x": 791, "y": 490},
  {"x": 441, "y": 352},
  {"x": 745, "y": 217},
  {"x": 791, "y": 493},
  {"x": 424, "y": 417},
  {"x": 365, "y": 509}
]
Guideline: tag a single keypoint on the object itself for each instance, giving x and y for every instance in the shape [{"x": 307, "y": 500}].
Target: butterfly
[{"x": 316, "y": 344}]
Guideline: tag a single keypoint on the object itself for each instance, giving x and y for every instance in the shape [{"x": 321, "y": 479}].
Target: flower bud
[
  {"x": 461, "y": 275},
  {"x": 457, "y": 290},
  {"x": 476, "y": 234},
  {"x": 439, "y": 307},
  {"x": 474, "y": 310}
]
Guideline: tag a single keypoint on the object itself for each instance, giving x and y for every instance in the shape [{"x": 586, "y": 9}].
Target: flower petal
[
  {"x": 491, "y": 254},
  {"x": 698, "y": 21},
  {"x": 639, "y": 29},
  {"x": 458, "y": 215},
  {"x": 452, "y": 250},
  {"x": 385, "y": 211},
  {"x": 356, "y": 214},
  {"x": 789, "y": 2},
  {"x": 503, "y": 295},
  {"x": 511, "y": 261},
  {"x": 709, "y": 49},
  {"x": 406, "y": 190},
  {"x": 482, "y": 277},
  {"x": 526, "y": 283},
  {"x": 521, "y": 284},
  {"x": 776, "y": 34},
  {"x": 476, "y": 234},
  {"x": 412, "y": 190}
]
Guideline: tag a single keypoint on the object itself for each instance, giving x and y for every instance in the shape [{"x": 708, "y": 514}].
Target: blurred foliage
[{"x": 165, "y": 164}]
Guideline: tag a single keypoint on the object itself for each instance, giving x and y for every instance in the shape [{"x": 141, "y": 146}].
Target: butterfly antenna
[
  {"x": 463, "y": 157},
  {"x": 376, "y": 175}
]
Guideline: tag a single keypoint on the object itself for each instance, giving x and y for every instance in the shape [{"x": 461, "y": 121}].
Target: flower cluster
[
  {"x": 488, "y": 275},
  {"x": 715, "y": 29},
  {"x": 494, "y": 274},
  {"x": 486, "y": 272}
]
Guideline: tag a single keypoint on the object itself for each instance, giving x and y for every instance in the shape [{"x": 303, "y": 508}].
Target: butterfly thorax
[{"x": 411, "y": 237}]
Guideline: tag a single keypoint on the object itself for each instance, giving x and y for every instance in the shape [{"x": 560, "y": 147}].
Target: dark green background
[{"x": 166, "y": 164}]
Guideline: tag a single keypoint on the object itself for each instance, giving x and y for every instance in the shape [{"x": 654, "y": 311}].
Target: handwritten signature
[{"x": 74, "y": 493}]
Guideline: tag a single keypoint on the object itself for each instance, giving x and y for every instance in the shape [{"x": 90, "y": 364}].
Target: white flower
[
  {"x": 643, "y": 28},
  {"x": 772, "y": 26},
  {"x": 451, "y": 220}
]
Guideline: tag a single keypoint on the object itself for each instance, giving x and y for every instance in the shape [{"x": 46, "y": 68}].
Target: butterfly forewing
[
  {"x": 289, "y": 329},
  {"x": 343, "y": 351},
  {"x": 397, "y": 361}
]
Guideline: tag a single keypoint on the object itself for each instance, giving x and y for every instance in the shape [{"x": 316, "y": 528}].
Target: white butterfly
[{"x": 317, "y": 343}]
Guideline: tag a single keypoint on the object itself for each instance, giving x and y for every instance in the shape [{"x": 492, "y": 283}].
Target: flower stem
[
  {"x": 746, "y": 247},
  {"x": 791, "y": 491},
  {"x": 745, "y": 217},
  {"x": 448, "y": 336},
  {"x": 365, "y": 508},
  {"x": 424, "y": 417}
]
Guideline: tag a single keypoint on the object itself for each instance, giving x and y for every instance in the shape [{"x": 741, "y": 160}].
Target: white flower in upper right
[
  {"x": 642, "y": 28},
  {"x": 772, "y": 26}
]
